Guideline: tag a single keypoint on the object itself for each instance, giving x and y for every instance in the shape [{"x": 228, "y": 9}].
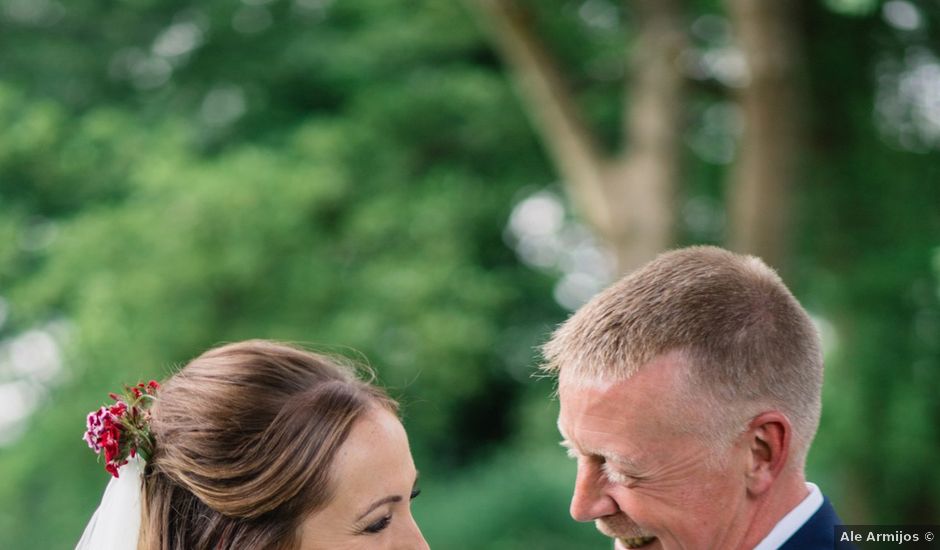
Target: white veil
[{"x": 116, "y": 523}]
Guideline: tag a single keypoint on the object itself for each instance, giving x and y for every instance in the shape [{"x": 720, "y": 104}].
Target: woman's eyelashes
[
  {"x": 385, "y": 521},
  {"x": 378, "y": 526}
]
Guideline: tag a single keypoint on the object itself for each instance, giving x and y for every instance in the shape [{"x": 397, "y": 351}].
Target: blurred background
[{"x": 430, "y": 186}]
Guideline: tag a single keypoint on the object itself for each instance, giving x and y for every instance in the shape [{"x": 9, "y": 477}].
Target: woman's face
[{"x": 375, "y": 483}]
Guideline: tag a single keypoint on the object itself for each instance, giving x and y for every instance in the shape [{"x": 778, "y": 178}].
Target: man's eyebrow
[
  {"x": 618, "y": 459},
  {"x": 608, "y": 456},
  {"x": 621, "y": 460},
  {"x": 384, "y": 501}
]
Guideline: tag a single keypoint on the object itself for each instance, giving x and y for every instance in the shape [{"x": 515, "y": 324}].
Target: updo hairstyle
[{"x": 245, "y": 437}]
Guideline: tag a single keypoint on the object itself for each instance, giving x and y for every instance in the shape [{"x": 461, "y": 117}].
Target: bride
[{"x": 254, "y": 445}]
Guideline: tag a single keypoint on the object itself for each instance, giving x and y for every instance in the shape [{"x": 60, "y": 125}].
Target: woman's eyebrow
[{"x": 382, "y": 501}]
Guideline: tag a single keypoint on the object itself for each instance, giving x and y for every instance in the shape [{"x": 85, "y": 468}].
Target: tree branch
[
  {"x": 628, "y": 200},
  {"x": 550, "y": 104}
]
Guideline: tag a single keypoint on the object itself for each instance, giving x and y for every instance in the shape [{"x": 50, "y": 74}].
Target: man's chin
[{"x": 638, "y": 543}]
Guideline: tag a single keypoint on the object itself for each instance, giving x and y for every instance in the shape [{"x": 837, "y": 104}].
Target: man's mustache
[{"x": 620, "y": 526}]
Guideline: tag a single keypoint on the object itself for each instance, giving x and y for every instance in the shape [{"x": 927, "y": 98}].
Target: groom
[{"x": 690, "y": 395}]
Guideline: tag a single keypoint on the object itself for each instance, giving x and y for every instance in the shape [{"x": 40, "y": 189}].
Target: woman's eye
[
  {"x": 379, "y": 525},
  {"x": 415, "y": 492}
]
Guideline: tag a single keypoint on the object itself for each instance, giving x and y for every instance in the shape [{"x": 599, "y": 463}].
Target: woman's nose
[{"x": 415, "y": 538}]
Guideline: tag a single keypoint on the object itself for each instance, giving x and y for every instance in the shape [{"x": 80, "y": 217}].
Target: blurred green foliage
[{"x": 175, "y": 175}]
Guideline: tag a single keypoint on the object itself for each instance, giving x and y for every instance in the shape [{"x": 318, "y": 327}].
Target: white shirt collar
[{"x": 795, "y": 518}]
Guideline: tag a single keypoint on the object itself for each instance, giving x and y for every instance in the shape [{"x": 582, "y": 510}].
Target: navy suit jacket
[{"x": 818, "y": 533}]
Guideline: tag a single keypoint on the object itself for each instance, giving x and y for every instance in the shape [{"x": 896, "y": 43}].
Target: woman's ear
[{"x": 768, "y": 446}]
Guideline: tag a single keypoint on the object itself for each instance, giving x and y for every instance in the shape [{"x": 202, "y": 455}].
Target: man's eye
[
  {"x": 415, "y": 492},
  {"x": 379, "y": 525},
  {"x": 616, "y": 477}
]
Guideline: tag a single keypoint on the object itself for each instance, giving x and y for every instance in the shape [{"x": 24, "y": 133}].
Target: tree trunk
[
  {"x": 768, "y": 159},
  {"x": 645, "y": 179},
  {"x": 626, "y": 198}
]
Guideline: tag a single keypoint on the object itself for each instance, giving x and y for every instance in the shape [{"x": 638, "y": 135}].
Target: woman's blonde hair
[{"x": 245, "y": 437}]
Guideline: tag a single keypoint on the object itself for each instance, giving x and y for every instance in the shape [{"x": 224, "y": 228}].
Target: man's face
[{"x": 643, "y": 478}]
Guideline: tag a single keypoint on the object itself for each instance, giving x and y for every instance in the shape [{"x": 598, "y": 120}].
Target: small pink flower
[
  {"x": 122, "y": 430},
  {"x": 118, "y": 409}
]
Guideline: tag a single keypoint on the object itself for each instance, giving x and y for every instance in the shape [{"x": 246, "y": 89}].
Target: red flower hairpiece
[{"x": 122, "y": 430}]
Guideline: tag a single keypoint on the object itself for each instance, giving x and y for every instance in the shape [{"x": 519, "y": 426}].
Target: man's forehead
[
  {"x": 589, "y": 414},
  {"x": 589, "y": 390},
  {"x": 620, "y": 418},
  {"x": 664, "y": 376},
  {"x": 573, "y": 378}
]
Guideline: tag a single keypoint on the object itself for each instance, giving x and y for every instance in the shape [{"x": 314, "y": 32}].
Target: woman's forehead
[{"x": 375, "y": 456}]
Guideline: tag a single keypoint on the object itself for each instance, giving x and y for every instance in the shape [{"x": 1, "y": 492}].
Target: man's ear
[{"x": 768, "y": 446}]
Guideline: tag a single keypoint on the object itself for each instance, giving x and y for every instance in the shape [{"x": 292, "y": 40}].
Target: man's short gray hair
[{"x": 749, "y": 343}]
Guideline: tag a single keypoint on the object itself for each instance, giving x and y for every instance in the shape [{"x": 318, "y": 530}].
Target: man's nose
[{"x": 590, "y": 501}]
